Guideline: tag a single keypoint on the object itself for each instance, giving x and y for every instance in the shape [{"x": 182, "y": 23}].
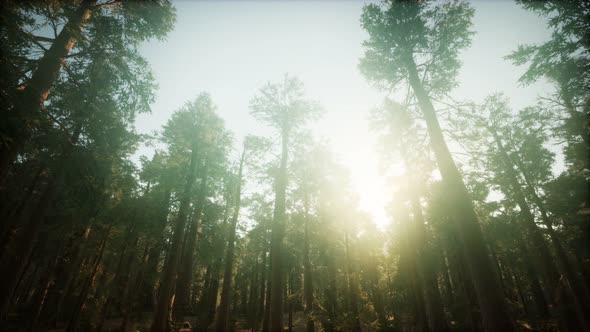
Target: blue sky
[{"x": 230, "y": 49}]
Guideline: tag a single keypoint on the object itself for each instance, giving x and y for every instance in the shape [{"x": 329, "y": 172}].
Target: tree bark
[
  {"x": 185, "y": 274},
  {"x": 75, "y": 318},
  {"x": 19, "y": 249},
  {"x": 427, "y": 276},
  {"x": 542, "y": 253},
  {"x": 267, "y": 301},
  {"x": 432, "y": 300},
  {"x": 263, "y": 288},
  {"x": 307, "y": 278},
  {"x": 331, "y": 290},
  {"x": 160, "y": 320},
  {"x": 30, "y": 100},
  {"x": 352, "y": 288},
  {"x": 223, "y": 310},
  {"x": 489, "y": 294},
  {"x": 278, "y": 228},
  {"x": 578, "y": 293}
]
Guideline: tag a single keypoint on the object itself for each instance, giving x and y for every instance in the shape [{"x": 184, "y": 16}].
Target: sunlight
[
  {"x": 366, "y": 178},
  {"x": 294, "y": 165}
]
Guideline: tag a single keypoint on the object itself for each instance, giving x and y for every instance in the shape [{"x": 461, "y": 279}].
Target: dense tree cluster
[{"x": 265, "y": 233}]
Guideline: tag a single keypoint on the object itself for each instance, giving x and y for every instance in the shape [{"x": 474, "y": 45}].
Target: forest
[{"x": 194, "y": 227}]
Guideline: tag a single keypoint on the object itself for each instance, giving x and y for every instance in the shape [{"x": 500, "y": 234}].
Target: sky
[{"x": 230, "y": 49}]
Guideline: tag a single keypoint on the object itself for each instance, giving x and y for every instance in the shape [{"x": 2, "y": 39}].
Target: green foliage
[
  {"x": 283, "y": 105},
  {"x": 565, "y": 58},
  {"x": 432, "y": 35},
  {"x": 81, "y": 148}
]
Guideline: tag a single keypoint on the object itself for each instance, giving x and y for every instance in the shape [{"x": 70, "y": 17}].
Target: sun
[{"x": 355, "y": 148}]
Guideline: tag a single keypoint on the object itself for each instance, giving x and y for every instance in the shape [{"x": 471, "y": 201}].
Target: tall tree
[
  {"x": 400, "y": 35},
  {"x": 88, "y": 22},
  {"x": 221, "y": 323},
  {"x": 282, "y": 106},
  {"x": 194, "y": 123}
]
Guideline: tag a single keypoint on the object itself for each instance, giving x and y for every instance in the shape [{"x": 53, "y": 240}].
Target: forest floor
[{"x": 115, "y": 323}]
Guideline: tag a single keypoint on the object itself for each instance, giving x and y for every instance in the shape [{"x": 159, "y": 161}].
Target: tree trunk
[
  {"x": 330, "y": 291},
  {"x": 376, "y": 295},
  {"x": 307, "y": 281},
  {"x": 489, "y": 294},
  {"x": 278, "y": 228},
  {"x": 185, "y": 270},
  {"x": 263, "y": 290},
  {"x": 75, "y": 318},
  {"x": 290, "y": 302},
  {"x": 352, "y": 288},
  {"x": 115, "y": 289},
  {"x": 30, "y": 100},
  {"x": 432, "y": 300},
  {"x": 223, "y": 310},
  {"x": 185, "y": 274},
  {"x": 131, "y": 304},
  {"x": 151, "y": 270},
  {"x": 213, "y": 293},
  {"x": 579, "y": 293},
  {"x": 252, "y": 300},
  {"x": 19, "y": 249},
  {"x": 267, "y": 301},
  {"x": 542, "y": 253},
  {"x": 66, "y": 277},
  {"x": 160, "y": 320},
  {"x": 47, "y": 282}
]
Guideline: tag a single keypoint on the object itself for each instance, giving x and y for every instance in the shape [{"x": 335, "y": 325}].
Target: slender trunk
[
  {"x": 525, "y": 304},
  {"x": 9, "y": 212},
  {"x": 128, "y": 294},
  {"x": 263, "y": 290},
  {"x": 307, "y": 278},
  {"x": 450, "y": 291},
  {"x": 185, "y": 274},
  {"x": 46, "y": 283},
  {"x": 213, "y": 293},
  {"x": 223, "y": 310},
  {"x": 115, "y": 290},
  {"x": 75, "y": 318},
  {"x": 331, "y": 291},
  {"x": 376, "y": 295},
  {"x": 290, "y": 302},
  {"x": 489, "y": 294},
  {"x": 465, "y": 303},
  {"x": 148, "y": 303},
  {"x": 420, "y": 319},
  {"x": 202, "y": 304},
  {"x": 69, "y": 273},
  {"x": 542, "y": 253},
  {"x": 352, "y": 287},
  {"x": 408, "y": 266},
  {"x": 30, "y": 99},
  {"x": 19, "y": 250},
  {"x": 432, "y": 300},
  {"x": 427, "y": 277},
  {"x": 131, "y": 304},
  {"x": 21, "y": 279},
  {"x": 580, "y": 293},
  {"x": 160, "y": 320},
  {"x": 278, "y": 228},
  {"x": 252, "y": 300},
  {"x": 267, "y": 301},
  {"x": 540, "y": 302}
]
